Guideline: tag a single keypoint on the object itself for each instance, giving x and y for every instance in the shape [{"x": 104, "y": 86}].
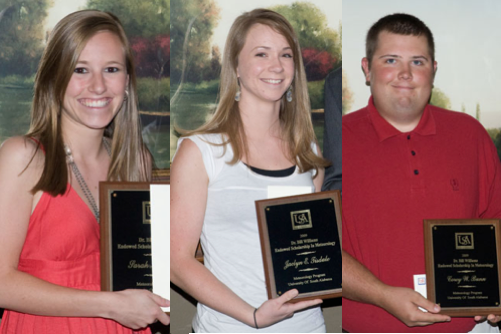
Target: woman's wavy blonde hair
[
  {"x": 295, "y": 116},
  {"x": 129, "y": 155}
]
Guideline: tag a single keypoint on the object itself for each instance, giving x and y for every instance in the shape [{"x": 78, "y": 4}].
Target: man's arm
[
  {"x": 332, "y": 130},
  {"x": 359, "y": 284},
  {"x": 491, "y": 187}
]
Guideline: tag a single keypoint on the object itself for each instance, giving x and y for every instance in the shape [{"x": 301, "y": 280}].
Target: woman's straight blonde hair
[
  {"x": 129, "y": 156},
  {"x": 295, "y": 117}
]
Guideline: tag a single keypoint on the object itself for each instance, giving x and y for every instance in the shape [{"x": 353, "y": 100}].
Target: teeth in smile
[
  {"x": 95, "y": 103},
  {"x": 272, "y": 81}
]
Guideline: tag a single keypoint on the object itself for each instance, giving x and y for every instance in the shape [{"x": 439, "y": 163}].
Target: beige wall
[{"x": 183, "y": 310}]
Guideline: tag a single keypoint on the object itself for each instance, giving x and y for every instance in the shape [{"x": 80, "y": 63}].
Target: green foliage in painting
[
  {"x": 139, "y": 18},
  {"x": 205, "y": 87},
  {"x": 22, "y": 33},
  {"x": 321, "y": 46},
  {"x": 439, "y": 99},
  {"x": 192, "y": 25},
  {"x": 496, "y": 137},
  {"x": 154, "y": 94},
  {"x": 316, "y": 93},
  {"x": 347, "y": 95},
  {"x": 17, "y": 81}
]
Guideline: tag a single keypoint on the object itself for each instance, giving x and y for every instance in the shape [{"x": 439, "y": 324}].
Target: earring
[
  {"x": 126, "y": 96},
  {"x": 237, "y": 95},
  {"x": 288, "y": 95}
]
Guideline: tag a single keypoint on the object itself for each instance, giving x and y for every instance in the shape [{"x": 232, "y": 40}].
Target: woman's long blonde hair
[
  {"x": 295, "y": 117},
  {"x": 129, "y": 156}
]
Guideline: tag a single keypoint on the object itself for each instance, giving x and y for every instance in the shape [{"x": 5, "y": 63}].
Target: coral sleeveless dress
[{"x": 62, "y": 247}]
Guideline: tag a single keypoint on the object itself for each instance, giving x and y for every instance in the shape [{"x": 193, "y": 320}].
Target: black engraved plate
[
  {"x": 303, "y": 248},
  {"x": 126, "y": 237},
  {"x": 132, "y": 240},
  {"x": 465, "y": 267}
]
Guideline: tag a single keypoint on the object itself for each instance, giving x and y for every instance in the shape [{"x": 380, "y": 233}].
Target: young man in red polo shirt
[{"x": 404, "y": 161}]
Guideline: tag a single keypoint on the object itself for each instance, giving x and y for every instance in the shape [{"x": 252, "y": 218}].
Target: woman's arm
[
  {"x": 189, "y": 187},
  {"x": 22, "y": 292}
]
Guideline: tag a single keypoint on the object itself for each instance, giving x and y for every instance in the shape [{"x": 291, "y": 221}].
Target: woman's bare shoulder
[{"x": 20, "y": 152}]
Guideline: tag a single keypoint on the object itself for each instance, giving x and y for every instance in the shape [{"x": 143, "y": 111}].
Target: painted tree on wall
[
  {"x": 147, "y": 24},
  {"x": 152, "y": 55},
  {"x": 321, "y": 45},
  {"x": 317, "y": 63},
  {"x": 139, "y": 18},
  {"x": 193, "y": 22},
  {"x": 21, "y": 26}
]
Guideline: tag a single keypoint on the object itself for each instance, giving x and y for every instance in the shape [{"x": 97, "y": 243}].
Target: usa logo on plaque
[
  {"x": 146, "y": 212},
  {"x": 464, "y": 241},
  {"x": 301, "y": 219}
]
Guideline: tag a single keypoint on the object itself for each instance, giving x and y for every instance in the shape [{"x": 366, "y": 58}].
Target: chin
[
  {"x": 273, "y": 99},
  {"x": 98, "y": 124},
  {"x": 405, "y": 103},
  {"x": 98, "y": 127}
]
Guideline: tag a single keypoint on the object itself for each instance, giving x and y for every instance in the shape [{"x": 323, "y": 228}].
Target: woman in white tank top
[{"x": 260, "y": 135}]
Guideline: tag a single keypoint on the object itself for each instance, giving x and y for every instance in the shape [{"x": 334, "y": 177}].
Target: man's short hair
[{"x": 400, "y": 24}]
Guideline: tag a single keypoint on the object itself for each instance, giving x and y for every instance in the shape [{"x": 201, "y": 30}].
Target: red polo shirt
[{"x": 447, "y": 167}]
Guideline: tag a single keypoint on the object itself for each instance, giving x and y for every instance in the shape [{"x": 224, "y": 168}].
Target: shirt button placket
[{"x": 413, "y": 153}]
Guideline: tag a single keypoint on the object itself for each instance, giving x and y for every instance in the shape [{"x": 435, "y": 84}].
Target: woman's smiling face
[
  {"x": 96, "y": 89},
  {"x": 265, "y": 65}
]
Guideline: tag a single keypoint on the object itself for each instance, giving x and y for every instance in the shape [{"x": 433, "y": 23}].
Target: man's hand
[
  {"x": 403, "y": 303},
  {"x": 493, "y": 319}
]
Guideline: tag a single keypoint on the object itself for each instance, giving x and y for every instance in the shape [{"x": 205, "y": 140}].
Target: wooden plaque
[
  {"x": 301, "y": 245},
  {"x": 463, "y": 267},
  {"x": 125, "y": 236}
]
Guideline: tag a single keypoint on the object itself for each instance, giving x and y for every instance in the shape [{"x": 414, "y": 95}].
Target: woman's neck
[
  {"x": 83, "y": 142},
  {"x": 260, "y": 119}
]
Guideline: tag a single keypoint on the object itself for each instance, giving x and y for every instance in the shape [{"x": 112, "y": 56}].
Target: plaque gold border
[
  {"x": 430, "y": 265},
  {"x": 105, "y": 191},
  {"x": 335, "y": 195}
]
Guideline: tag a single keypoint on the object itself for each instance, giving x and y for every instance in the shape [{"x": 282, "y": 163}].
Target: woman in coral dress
[{"x": 85, "y": 128}]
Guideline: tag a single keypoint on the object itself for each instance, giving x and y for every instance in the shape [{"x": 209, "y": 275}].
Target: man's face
[{"x": 401, "y": 78}]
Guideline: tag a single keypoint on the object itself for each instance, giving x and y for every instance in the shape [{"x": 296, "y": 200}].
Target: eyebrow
[
  {"x": 397, "y": 56},
  {"x": 269, "y": 48},
  {"x": 108, "y": 63}
]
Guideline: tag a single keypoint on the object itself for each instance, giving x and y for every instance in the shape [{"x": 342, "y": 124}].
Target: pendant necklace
[{"x": 81, "y": 180}]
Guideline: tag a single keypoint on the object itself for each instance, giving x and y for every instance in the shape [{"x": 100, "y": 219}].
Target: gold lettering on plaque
[
  {"x": 301, "y": 219},
  {"x": 146, "y": 212},
  {"x": 464, "y": 240}
]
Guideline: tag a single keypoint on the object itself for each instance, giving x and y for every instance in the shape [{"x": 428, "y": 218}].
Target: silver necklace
[{"x": 81, "y": 181}]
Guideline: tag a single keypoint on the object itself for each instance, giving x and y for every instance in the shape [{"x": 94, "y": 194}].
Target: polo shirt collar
[{"x": 385, "y": 130}]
